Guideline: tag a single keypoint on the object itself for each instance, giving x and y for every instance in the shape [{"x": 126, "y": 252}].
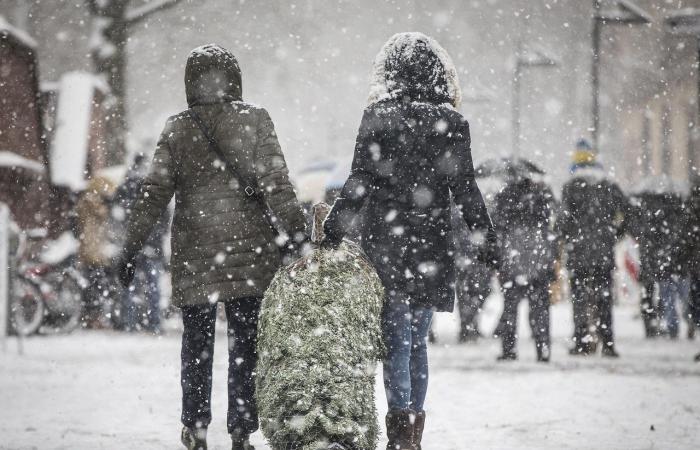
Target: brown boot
[
  {"x": 418, "y": 426},
  {"x": 399, "y": 429}
]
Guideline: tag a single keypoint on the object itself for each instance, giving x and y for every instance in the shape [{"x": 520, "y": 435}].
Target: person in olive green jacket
[{"x": 223, "y": 247}]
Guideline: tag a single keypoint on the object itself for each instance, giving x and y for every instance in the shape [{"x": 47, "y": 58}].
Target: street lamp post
[
  {"x": 529, "y": 58},
  {"x": 624, "y": 12},
  {"x": 686, "y": 22}
]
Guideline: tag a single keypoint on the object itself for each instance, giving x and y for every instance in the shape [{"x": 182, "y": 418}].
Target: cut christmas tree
[{"x": 319, "y": 341}]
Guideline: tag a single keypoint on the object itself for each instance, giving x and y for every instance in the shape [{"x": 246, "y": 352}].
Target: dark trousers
[
  {"x": 694, "y": 301},
  {"x": 591, "y": 295},
  {"x": 198, "y": 355},
  {"x": 537, "y": 296},
  {"x": 471, "y": 295},
  {"x": 648, "y": 309}
]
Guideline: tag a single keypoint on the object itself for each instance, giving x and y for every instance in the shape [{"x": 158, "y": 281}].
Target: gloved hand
[
  {"x": 329, "y": 243},
  {"x": 490, "y": 255},
  {"x": 125, "y": 271}
]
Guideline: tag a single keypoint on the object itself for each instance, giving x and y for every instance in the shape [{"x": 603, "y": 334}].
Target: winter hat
[
  {"x": 415, "y": 66},
  {"x": 212, "y": 75},
  {"x": 584, "y": 156}
]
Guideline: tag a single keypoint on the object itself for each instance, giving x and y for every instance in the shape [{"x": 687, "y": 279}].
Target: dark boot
[
  {"x": 583, "y": 349},
  {"x": 194, "y": 438},
  {"x": 609, "y": 352},
  {"x": 507, "y": 356},
  {"x": 240, "y": 441},
  {"x": 418, "y": 426},
  {"x": 543, "y": 353},
  {"x": 399, "y": 429}
]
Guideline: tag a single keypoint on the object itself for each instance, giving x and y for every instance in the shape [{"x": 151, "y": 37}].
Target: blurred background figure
[
  {"x": 525, "y": 224},
  {"x": 95, "y": 251},
  {"x": 658, "y": 222},
  {"x": 592, "y": 219},
  {"x": 141, "y": 300},
  {"x": 472, "y": 280},
  {"x": 693, "y": 249}
]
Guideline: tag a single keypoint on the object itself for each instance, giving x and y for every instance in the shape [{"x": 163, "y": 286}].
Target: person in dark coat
[
  {"x": 692, "y": 236},
  {"x": 149, "y": 263},
  {"x": 472, "y": 279},
  {"x": 412, "y": 156},
  {"x": 525, "y": 225},
  {"x": 223, "y": 245},
  {"x": 658, "y": 227},
  {"x": 591, "y": 222}
]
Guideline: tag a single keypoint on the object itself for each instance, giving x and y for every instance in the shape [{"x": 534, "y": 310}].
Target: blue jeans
[
  {"x": 405, "y": 331},
  {"x": 671, "y": 290}
]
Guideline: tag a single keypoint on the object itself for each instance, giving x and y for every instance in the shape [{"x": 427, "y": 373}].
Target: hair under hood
[{"x": 415, "y": 66}]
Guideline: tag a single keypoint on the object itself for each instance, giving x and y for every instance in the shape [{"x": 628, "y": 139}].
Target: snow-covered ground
[{"x": 94, "y": 390}]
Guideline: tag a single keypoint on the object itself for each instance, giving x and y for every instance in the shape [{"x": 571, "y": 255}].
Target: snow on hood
[
  {"x": 416, "y": 66},
  {"x": 212, "y": 75}
]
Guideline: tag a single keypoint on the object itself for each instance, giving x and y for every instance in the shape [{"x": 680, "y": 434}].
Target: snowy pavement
[{"x": 103, "y": 390}]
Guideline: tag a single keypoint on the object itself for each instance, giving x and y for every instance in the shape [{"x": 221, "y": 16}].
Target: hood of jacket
[
  {"x": 212, "y": 75},
  {"x": 414, "y": 66}
]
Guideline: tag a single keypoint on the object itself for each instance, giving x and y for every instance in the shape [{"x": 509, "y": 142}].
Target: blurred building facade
[
  {"x": 23, "y": 175},
  {"x": 308, "y": 62},
  {"x": 652, "y": 97}
]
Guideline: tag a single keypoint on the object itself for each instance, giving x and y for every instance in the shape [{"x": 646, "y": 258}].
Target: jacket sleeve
[
  {"x": 357, "y": 187},
  {"x": 467, "y": 196},
  {"x": 273, "y": 178},
  {"x": 156, "y": 191}
]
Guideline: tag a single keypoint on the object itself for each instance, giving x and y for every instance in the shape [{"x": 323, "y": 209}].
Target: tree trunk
[{"x": 110, "y": 33}]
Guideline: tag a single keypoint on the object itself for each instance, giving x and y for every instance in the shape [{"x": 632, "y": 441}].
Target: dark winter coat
[
  {"x": 692, "y": 233},
  {"x": 124, "y": 200},
  {"x": 525, "y": 226},
  {"x": 471, "y": 272},
  {"x": 658, "y": 224},
  {"x": 412, "y": 154},
  {"x": 222, "y": 245},
  {"x": 592, "y": 219}
]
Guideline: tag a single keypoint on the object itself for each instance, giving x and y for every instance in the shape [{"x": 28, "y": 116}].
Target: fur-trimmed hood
[{"x": 414, "y": 66}]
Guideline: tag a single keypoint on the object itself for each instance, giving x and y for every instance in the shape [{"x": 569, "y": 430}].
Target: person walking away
[
  {"x": 692, "y": 235},
  {"x": 472, "y": 279},
  {"x": 149, "y": 263},
  {"x": 671, "y": 262},
  {"x": 412, "y": 155},
  {"x": 223, "y": 246},
  {"x": 95, "y": 252},
  {"x": 525, "y": 225},
  {"x": 646, "y": 226},
  {"x": 591, "y": 222}
]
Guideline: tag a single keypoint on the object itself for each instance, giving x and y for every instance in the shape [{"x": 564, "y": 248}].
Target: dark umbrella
[{"x": 507, "y": 167}]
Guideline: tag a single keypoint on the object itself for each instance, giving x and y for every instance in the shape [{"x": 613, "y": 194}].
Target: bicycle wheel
[{"x": 27, "y": 310}]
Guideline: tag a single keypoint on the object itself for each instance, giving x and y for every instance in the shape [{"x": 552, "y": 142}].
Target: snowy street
[{"x": 92, "y": 390}]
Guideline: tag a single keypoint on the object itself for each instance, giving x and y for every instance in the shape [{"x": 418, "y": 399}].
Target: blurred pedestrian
[
  {"x": 591, "y": 222},
  {"x": 472, "y": 279},
  {"x": 149, "y": 263},
  {"x": 693, "y": 251},
  {"x": 412, "y": 155},
  {"x": 222, "y": 161},
  {"x": 95, "y": 250},
  {"x": 658, "y": 223},
  {"x": 525, "y": 224}
]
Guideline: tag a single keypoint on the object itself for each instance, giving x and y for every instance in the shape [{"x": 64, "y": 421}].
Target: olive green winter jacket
[{"x": 222, "y": 244}]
